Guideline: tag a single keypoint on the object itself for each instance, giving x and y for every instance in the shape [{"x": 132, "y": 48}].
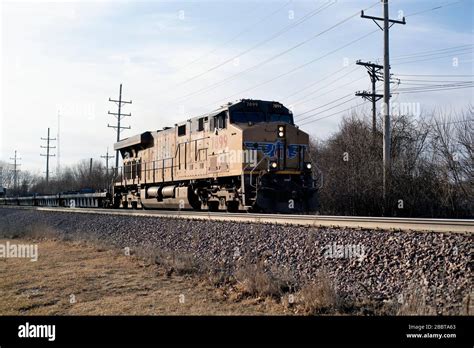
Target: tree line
[
  {"x": 72, "y": 178},
  {"x": 431, "y": 173}
]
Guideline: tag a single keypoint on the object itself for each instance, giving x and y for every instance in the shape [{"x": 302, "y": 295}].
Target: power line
[
  {"x": 439, "y": 85},
  {"x": 431, "y": 52},
  {"x": 424, "y": 84},
  {"x": 432, "y": 9},
  {"x": 331, "y": 108},
  {"x": 249, "y": 28},
  {"x": 214, "y": 85},
  {"x": 433, "y": 58},
  {"x": 441, "y": 54},
  {"x": 274, "y": 36},
  {"x": 317, "y": 96},
  {"x": 336, "y": 113},
  {"x": 299, "y": 67},
  {"x": 415, "y": 80},
  {"x": 321, "y": 106},
  {"x": 301, "y": 100},
  {"x": 421, "y": 75},
  {"x": 433, "y": 90},
  {"x": 441, "y": 51},
  {"x": 316, "y": 82}
]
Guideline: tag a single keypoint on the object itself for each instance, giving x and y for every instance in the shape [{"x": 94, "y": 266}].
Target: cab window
[{"x": 219, "y": 121}]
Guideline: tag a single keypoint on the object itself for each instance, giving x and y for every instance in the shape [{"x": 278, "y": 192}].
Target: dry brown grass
[
  {"x": 36, "y": 231},
  {"x": 319, "y": 296},
  {"x": 414, "y": 302},
  {"x": 107, "y": 282},
  {"x": 104, "y": 280},
  {"x": 258, "y": 280}
]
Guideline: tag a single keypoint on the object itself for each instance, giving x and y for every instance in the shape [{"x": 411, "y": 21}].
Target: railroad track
[{"x": 382, "y": 223}]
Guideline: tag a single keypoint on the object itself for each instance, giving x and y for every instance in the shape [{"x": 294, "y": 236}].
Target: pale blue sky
[{"x": 72, "y": 56}]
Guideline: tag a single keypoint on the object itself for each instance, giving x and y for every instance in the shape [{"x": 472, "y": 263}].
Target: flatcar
[{"x": 68, "y": 199}]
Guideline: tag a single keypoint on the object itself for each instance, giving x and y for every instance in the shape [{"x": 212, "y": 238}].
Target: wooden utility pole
[
  {"x": 15, "y": 170},
  {"x": 48, "y": 155},
  {"x": 119, "y": 116},
  {"x": 107, "y": 157},
  {"x": 387, "y": 23}
]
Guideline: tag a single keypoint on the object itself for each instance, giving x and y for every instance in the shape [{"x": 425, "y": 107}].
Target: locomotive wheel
[
  {"x": 213, "y": 206},
  {"x": 232, "y": 206}
]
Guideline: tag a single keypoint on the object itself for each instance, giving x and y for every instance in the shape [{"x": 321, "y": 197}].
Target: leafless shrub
[
  {"x": 319, "y": 296},
  {"x": 467, "y": 305},
  {"x": 415, "y": 302},
  {"x": 256, "y": 279},
  {"x": 179, "y": 263},
  {"x": 34, "y": 231}
]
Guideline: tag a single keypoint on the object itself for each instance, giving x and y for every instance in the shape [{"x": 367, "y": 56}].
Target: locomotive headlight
[
  {"x": 281, "y": 131},
  {"x": 273, "y": 165}
]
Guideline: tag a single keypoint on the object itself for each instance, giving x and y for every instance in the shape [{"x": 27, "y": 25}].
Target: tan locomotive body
[{"x": 247, "y": 155}]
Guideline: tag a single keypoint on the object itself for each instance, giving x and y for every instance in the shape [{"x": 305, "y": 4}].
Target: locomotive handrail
[{"x": 264, "y": 157}]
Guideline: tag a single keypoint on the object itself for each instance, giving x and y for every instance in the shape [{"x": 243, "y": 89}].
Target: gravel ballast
[{"x": 377, "y": 265}]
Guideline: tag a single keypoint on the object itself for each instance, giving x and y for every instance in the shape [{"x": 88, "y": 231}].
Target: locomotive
[{"x": 245, "y": 156}]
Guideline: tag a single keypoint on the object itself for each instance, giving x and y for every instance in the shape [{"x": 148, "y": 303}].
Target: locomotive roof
[
  {"x": 145, "y": 138},
  {"x": 230, "y": 105}
]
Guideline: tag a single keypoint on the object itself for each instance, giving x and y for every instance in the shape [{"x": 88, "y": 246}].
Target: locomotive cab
[{"x": 281, "y": 181}]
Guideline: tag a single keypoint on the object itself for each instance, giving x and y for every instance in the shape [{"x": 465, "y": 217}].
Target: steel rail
[{"x": 357, "y": 222}]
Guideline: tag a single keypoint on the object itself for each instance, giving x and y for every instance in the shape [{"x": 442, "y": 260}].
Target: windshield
[
  {"x": 257, "y": 116},
  {"x": 245, "y": 117},
  {"x": 280, "y": 118}
]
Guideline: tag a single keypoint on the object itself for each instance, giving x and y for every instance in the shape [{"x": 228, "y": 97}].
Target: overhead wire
[
  {"x": 239, "y": 34},
  {"x": 214, "y": 85},
  {"x": 300, "y": 66},
  {"x": 260, "y": 43}
]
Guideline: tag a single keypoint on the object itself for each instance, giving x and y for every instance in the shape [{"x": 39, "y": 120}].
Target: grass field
[{"x": 79, "y": 278}]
